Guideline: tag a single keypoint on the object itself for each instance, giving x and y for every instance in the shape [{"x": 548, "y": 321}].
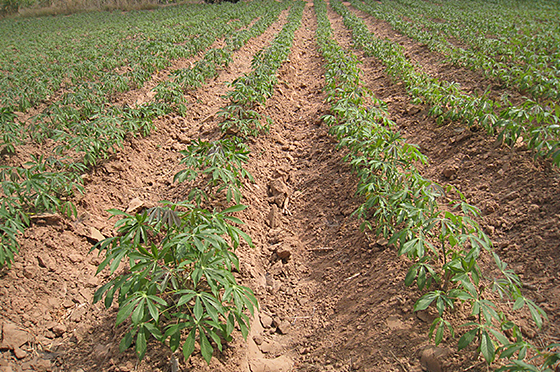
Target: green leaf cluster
[
  {"x": 220, "y": 164},
  {"x": 241, "y": 116},
  {"x": 38, "y": 186},
  {"x": 180, "y": 279},
  {"x": 536, "y": 122}
]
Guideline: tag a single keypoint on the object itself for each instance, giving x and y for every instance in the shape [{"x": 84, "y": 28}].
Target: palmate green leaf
[
  {"x": 439, "y": 325},
  {"x": 460, "y": 295},
  {"x": 520, "y": 366},
  {"x": 230, "y": 324},
  {"x": 411, "y": 275},
  {"x": 467, "y": 338},
  {"x": 126, "y": 310},
  {"x": 510, "y": 350},
  {"x": 213, "y": 335},
  {"x": 243, "y": 322},
  {"x": 487, "y": 347},
  {"x": 425, "y": 301},
  {"x": 206, "y": 348},
  {"x": 519, "y": 303},
  {"x": 116, "y": 259},
  {"x": 127, "y": 340},
  {"x": 188, "y": 295},
  {"x": 138, "y": 313},
  {"x": 235, "y": 233},
  {"x": 421, "y": 280},
  {"x": 499, "y": 336},
  {"x": 235, "y": 208},
  {"x": 153, "y": 310},
  {"x": 198, "y": 310},
  {"x": 155, "y": 331},
  {"x": 212, "y": 306},
  {"x": 141, "y": 344},
  {"x": 465, "y": 281},
  {"x": 536, "y": 313}
]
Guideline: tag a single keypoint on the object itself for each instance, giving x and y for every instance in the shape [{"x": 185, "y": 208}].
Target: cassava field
[{"x": 282, "y": 186}]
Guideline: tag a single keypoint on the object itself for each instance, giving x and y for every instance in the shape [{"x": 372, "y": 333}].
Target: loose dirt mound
[{"x": 331, "y": 297}]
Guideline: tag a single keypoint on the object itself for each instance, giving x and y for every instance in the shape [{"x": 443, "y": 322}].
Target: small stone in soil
[
  {"x": 59, "y": 330},
  {"x": 12, "y": 336},
  {"x": 134, "y": 206},
  {"x": 425, "y": 316},
  {"x": 94, "y": 234},
  {"x": 449, "y": 172},
  {"x": 284, "y": 327},
  {"x": 258, "y": 339},
  {"x": 266, "y": 320},
  {"x": 20, "y": 354},
  {"x": 431, "y": 358}
]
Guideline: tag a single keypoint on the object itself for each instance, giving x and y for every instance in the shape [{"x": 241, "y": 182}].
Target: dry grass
[{"x": 66, "y": 7}]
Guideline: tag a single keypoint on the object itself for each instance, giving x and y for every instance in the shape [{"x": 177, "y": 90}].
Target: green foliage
[
  {"x": 180, "y": 280},
  {"x": 170, "y": 93},
  {"x": 251, "y": 91},
  {"x": 534, "y": 121},
  {"x": 9, "y": 129},
  {"x": 12, "y": 6},
  {"x": 41, "y": 185},
  {"x": 443, "y": 245},
  {"x": 515, "y": 47},
  {"x": 83, "y": 125},
  {"x": 219, "y": 164}
]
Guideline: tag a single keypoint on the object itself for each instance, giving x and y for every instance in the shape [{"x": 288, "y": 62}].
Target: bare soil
[{"x": 331, "y": 297}]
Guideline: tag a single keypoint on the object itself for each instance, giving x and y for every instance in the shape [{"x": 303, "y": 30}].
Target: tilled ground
[{"x": 332, "y": 297}]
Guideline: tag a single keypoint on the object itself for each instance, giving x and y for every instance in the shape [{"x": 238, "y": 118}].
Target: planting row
[
  {"x": 83, "y": 127},
  {"x": 538, "y": 125},
  {"x": 180, "y": 288},
  {"x": 443, "y": 244},
  {"x": 106, "y": 52},
  {"x": 519, "y": 46}
]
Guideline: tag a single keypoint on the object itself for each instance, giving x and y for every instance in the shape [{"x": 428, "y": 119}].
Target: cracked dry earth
[{"x": 331, "y": 297}]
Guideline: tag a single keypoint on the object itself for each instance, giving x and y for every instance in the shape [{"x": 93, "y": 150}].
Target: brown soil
[{"x": 331, "y": 297}]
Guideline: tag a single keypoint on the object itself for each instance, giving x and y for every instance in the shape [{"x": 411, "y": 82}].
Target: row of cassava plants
[
  {"x": 443, "y": 245},
  {"x": 520, "y": 54},
  {"x": 219, "y": 163},
  {"x": 252, "y": 90},
  {"x": 84, "y": 128},
  {"x": 216, "y": 59},
  {"x": 115, "y": 51},
  {"x": 87, "y": 96},
  {"x": 181, "y": 255},
  {"x": 536, "y": 124}
]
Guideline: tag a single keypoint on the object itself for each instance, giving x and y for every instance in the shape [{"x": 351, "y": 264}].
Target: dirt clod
[
  {"x": 12, "y": 336},
  {"x": 283, "y": 252},
  {"x": 432, "y": 357},
  {"x": 59, "y": 330},
  {"x": 19, "y": 353},
  {"x": 284, "y": 327},
  {"x": 449, "y": 172},
  {"x": 266, "y": 320},
  {"x": 258, "y": 339},
  {"x": 135, "y": 206},
  {"x": 278, "y": 192}
]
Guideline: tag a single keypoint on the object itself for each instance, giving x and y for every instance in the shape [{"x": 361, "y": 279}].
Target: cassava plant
[
  {"x": 220, "y": 166},
  {"x": 179, "y": 288}
]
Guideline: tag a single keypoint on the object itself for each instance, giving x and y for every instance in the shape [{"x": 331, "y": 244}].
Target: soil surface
[{"x": 332, "y": 297}]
